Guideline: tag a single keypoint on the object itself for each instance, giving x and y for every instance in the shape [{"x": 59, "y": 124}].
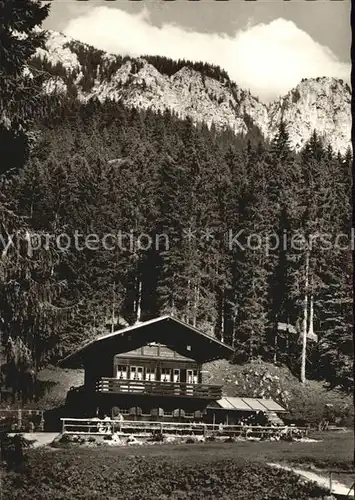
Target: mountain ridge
[{"x": 207, "y": 95}]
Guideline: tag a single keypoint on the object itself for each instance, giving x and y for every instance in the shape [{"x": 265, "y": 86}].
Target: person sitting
[
  {"x": 107, "y": 426},
  {"x": 102, "y": 426},
  {"x": 118, "y": 418}
]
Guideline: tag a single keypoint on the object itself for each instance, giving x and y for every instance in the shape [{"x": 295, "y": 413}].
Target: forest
[{"x": 222, "y": 202}]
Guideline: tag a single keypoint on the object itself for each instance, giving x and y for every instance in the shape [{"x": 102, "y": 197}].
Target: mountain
[
  {"x": 321, "y": 104},
  {"x": 200, "y": 91}
]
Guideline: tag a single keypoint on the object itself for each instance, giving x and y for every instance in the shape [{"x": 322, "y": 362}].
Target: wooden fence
[
  {"x": 22, "y": 419},
  {"x": 96, "y": 426}
]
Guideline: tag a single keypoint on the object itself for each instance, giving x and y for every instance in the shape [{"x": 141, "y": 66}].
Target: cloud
[{"x": 269, "y": 59}]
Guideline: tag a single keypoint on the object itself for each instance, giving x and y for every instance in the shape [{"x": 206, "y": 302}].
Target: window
[
  {"x": 136, "y": 373},
  {"x": 133, "y": 372},
  {"x": 191, "y": 376},
  {"x": 121, "y": 372},
  {"x": 176, "y": 375},
  {"x": 150, "y": 374},
  {"x": 165, "y": 375}
]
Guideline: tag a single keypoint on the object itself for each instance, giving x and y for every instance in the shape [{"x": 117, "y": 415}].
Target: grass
[
  {"x": 334, "y": 450},
  {"x": 206, "y": 471}
]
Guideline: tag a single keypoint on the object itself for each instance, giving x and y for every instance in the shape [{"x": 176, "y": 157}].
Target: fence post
[
  {"x": 63, "y": 425},
  {"x": 19, "y": 418},
  {"x": 41, "y": 423}
]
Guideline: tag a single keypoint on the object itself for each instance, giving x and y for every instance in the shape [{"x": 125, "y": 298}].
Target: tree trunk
[
  {"x": 113, "y": 309},
  {"x": 275, "y": 346},
  {"x": 311, "y": 316},
  {"x": 188, "y": 303},
  {"x": 222, "y": 316},
  {"x": 304, "y": 325},
  {"x": 251, "y": 346},
  {"x": 196, "y": 301},
  {"x": 139, "y": 302}
]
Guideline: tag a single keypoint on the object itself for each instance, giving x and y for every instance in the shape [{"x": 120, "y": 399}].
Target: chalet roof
[
  {"x": 183, "y": 338},
  {"x": 247, "y": 404}
]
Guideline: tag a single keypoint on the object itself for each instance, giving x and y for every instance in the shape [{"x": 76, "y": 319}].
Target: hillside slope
[
  {"x": 196, "y": 90},
  {"x": 265, "y": 380}
]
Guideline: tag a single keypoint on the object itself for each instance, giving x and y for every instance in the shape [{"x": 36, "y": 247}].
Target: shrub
[
  {"x": 12, "y": 451},
  {"x": 157, "y": 437}
]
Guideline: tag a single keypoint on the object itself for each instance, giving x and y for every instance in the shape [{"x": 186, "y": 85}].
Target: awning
[
  {"x": 255, "y": 404},
  {"x": 235, "y": 404},
  {"x": 247, "y": 404}
]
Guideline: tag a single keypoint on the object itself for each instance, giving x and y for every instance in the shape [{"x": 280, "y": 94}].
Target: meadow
[{"x": 190, "y": 471}]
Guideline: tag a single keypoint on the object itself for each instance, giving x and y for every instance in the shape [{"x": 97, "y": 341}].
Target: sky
[{"x": 266, "y": 46}]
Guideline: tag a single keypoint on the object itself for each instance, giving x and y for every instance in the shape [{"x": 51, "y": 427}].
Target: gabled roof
[{"x": 183, "y": 338}]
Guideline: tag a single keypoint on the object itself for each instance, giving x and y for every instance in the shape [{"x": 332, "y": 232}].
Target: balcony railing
[{"x": 158, "y": 388}]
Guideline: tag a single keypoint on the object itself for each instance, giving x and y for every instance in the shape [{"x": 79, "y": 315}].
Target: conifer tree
[
  {"x": 283, "y": 193},
  {"x": 251, "y": 261},
  {"x": 27, "y": 287},
  {"x": 19, "y": 39}
]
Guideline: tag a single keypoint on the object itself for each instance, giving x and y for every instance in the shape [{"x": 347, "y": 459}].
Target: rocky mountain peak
[
  {"x": 322, "y": 104},
  {"x": 199, "y": 91}
]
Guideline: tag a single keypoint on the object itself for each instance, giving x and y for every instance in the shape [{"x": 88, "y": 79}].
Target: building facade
[{"x": 152, "y": 370}]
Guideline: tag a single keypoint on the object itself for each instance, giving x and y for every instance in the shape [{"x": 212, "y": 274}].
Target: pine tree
[
  {"x": 19, "y": 40},
  {"x": 170, "y": 221},
  {"x": 27, "y": 286},
  {"x": 335, "y": 348},
  {"x": 251, "y": 276},
  {"x": 283, "y": 194}
]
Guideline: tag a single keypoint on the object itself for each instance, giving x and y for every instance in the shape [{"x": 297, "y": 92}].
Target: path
[
  {"x": 323, "y": 481},
  {"x": 39, "y": 438}
]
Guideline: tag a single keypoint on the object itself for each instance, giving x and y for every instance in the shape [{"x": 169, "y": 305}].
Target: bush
[
  {"x": 12, "y": 451},
  {"x": 157, "y": 437},
  {"x": 66, "y": 438}
]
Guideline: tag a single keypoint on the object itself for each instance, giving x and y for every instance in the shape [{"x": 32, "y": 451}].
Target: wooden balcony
[{"x": 158, "y": 388}]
